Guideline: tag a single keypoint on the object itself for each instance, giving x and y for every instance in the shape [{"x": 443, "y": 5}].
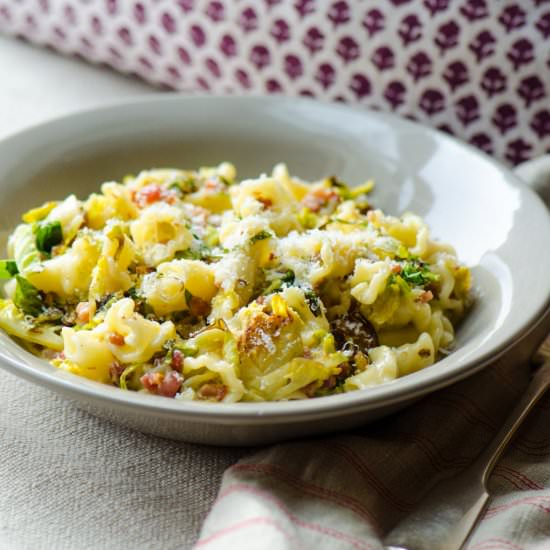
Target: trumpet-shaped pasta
[
  {"x": 254, "y": 196},
  {"x": 166, "y": 289},
  {"x": 162, "y": 177},
  {"x": 441, "y": 330},
  {"x": 195, "y": 285},
  {"x": 216, "y": 368},
  {"x": 298, "y": 189},
  {"x": 87, "y": 353},
  {"x": 67, "y": 275},
  {"x": 115, "y": 202},
  {"x": 14, "y": 323},
  {"x": 70, "y": 215},
  {"x": 415, "y": 356},
  {"x": 369, "y": 280},
  {"x": 235, "y": 275},
  {"x": 142, "y": 337},
  {"x": 382, "y": 368},
  {"x": 124, "y": 336},
  {"x": 268, "y": 197},
  {"x": 227, "y": 171},
  {"x": 297, "y": 251},
  {"x": 412, "y": 232},
  {"x": 160, "y": 232},
  {"x": 111, "y": 272},
  {"x": 334, "y": 253}
]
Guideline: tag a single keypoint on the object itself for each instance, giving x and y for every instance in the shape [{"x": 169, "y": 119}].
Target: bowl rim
[{"x": 395, "y": 391}]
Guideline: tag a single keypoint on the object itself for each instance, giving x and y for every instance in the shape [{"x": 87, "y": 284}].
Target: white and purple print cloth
[{"x": 479, "y": 69}]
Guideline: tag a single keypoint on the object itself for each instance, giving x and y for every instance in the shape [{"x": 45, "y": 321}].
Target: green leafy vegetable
[
  {"x": 399, "y": 282},
  {"x": 189, "y": 254},
  {"x": 25, "y": 253},
  {"x": 313, "y": 302},
  {"x": 189, "y": 350},
  {"x": 184, "y": 186},
  {"x": 346, "y": 222},
  {"x": 307, "y": 218},
  {"x": 288, "y": 277},
  {"x": 341, "y": 188},
  {"x": 48, "y": 235},
  {"x": 188, "y": 297},
  {"x": 8, "y": 269},
  {"x": 230, "y": 350},
  {"x": 276, "y": 281},
  {"x": 133, "y": 293},
  {"x": 417, "y": 273},
  {"x": 200, "y": 252},
  {"x": 261, "y": 236},
  {"x": 225, "y": 181},
  {"x": 140, "y": 302},
  {"x": 106, "y": 301},
  {"x": 27, "y": 297},
  {"x": 274, "y": 286},
  {"x": 128, "y": 371}
]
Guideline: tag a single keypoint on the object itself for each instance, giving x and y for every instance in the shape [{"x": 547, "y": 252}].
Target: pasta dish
[{"x": 198, "y": 286}]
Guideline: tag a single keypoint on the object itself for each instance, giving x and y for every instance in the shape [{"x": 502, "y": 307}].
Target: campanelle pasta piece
[
  {"x": 382, "y": 368},
  {"x": 67, "y": 275},
  {"x": 216, "y": 368},
  {"x": 158, "y": 176},
  {"x": 298, "y": 189},
  {"x": 137, "y": 339},
  {"x": 111, "y": 272},
  {"x": 114, "y": 202},
  {"x": 415, "y": 356},
  {"x": 441, "y": 330},
  {"x": 268, "y": 197},
  {"x": 235, "y": 231},
  {"x": 14, "y": 323},
  {"x": 142, "y": 337},
  {"x": 166, "y": 289},
  {"x": 160, "y": 232},
  {"x": 369, "y": 280},
  {"x": 255, "y": 195},
  {"x": 87, "y": 353}
]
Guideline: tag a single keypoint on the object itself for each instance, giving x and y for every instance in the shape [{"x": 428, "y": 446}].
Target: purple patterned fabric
[{"x": 479, "y": 69}]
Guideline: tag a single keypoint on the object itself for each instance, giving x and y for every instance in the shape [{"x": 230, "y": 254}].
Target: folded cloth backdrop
[{"x": 478, "y": 69}]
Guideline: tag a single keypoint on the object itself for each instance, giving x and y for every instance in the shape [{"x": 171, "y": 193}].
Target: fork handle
[
  {"x": 445, "y": 516},
  {"x": 535, "y": 390}
]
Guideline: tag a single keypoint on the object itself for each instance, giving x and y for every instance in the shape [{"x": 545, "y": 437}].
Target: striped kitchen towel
[{"x": 347, "y": 491}]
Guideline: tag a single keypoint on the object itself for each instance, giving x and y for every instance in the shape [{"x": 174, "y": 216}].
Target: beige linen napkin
[{"x": 347, "y": 491}]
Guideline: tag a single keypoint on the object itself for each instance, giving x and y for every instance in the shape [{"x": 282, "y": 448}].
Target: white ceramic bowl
[{"x": 499, "y": 227}]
